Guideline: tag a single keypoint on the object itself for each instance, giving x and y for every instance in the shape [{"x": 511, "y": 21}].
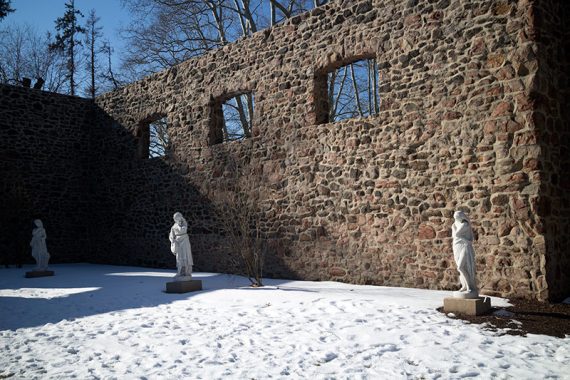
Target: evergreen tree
[
  {"x": 66, "y": 39},
  {"x": 5, "y": 8}
]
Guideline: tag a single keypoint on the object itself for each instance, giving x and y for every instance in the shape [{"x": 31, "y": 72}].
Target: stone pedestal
[
  {"x": 39, "y": 273},
  {"x": 472, "y": 306},
  {"x": 183, "y": 286},
  {"x": 466, "y": 295}
]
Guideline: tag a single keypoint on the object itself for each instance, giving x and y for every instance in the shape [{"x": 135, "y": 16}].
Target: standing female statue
[
  {"x": 464, "y": 255},
  {"x": 180, "y": 247},
  {"x": 39, "y": 248}
]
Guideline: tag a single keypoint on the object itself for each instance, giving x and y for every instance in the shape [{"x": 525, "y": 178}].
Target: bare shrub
[{"x": 238, "y": 201}]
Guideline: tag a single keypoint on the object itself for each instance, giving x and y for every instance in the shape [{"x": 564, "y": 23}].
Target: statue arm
[
  {"x": 464, "y": 232},
  {"x": 36, "y": 235}
]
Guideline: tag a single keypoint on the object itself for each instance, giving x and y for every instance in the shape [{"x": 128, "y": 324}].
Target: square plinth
[
  {"x": 39, "y": 273},
  {"x": 475, "y": 306},
  {"x": 183, "y": 286}
]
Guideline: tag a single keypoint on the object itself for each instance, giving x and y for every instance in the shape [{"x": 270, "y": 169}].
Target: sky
[{"x": 42, "y": 14}]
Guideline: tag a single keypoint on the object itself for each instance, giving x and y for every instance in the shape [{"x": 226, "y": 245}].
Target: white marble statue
[
  {"x": 464, "y": 255},
  {"x": 180, "y": 247},
  {"x": 39, "y": 248}
]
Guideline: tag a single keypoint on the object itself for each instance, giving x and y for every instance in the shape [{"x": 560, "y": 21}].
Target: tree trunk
[
  {"x": 92, "y": 47},
  {"x": 355, "y": 87},
  {"x": 242, "y": 118},
  {"x": 375, "y": 88},
  {"x": 337, "y": 98}
]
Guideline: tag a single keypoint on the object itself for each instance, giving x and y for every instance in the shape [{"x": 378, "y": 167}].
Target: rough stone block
[
  {"x": 183, "y": 286},
  {"x": 39, "y": 273},
  {"x": 475, "y": 306}
]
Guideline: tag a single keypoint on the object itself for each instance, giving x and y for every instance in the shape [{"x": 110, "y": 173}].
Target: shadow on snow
[{"x": 83, "y": 290}]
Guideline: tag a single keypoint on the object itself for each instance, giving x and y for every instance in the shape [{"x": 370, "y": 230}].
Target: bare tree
[
  {"x": 45, "y": 64},
  {"x": 92, "y": 36},
  {"x": 238, "y": 201},
  {"x": 109, "y": 80},
  {"x": 288, "y": 9},
  {"x": 166, "y": 32},
  {"x": 357, "y": 97},
  {"x": 158, "y": 138},
  {"x": 238, "y": 117},
  {"x": 335, "y": 91},
  {"x": 12, "y": 65},
  {"x": 25, "y": 53}
]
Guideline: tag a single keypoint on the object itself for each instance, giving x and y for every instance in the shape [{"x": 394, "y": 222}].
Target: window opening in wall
[
  {"x": 153, "y": 140},
  {"x": 232, "y": 118},
  {"x": 348, "y": 91},
  {"x": 159, "y": 140}
]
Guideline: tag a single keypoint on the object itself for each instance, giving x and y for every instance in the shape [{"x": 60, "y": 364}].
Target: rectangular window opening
[
  {"x": 152, "y": 136},
  {"x": 232, "y": 118},
  {"x": 347, "y": 92},
  {"x": 159, "y": 140}
]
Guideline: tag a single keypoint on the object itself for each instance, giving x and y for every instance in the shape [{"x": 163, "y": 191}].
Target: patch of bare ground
[{"x": 525, "y": 317}]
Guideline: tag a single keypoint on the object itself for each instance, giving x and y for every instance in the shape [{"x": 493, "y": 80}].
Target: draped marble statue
[
  {"x": 180, "y": 247},
  {"x": 39, "y": 248},
  {"x": 464, "y": 255}
]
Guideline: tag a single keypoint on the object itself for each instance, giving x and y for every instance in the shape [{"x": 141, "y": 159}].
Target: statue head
[
  {"x": 38, "y": 223},
  {"x": 178, "y": 217},
  {"x": 460, "y": 216}
]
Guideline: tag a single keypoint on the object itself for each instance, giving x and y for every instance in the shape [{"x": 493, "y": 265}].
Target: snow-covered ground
[{"x": 93, "y": 321}]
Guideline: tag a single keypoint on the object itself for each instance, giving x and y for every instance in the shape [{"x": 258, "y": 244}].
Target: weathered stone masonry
[
  {"x": 473, "y": 115},
  {"x": 45, "y": 159}
]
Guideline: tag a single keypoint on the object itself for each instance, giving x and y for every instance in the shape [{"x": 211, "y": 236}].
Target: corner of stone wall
[{"x": 547, "y": 144}]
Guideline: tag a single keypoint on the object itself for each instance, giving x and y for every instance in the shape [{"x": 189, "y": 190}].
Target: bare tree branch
[{"x": 25, "y": 53}]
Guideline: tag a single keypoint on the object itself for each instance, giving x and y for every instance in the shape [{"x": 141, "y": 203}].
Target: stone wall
[
  {"x": 472, "y": 117},
  {"x": 44, "y": 167},
  {"x": 135, "y": 199},
  {"x": 366, "y": 200},
  {"x": 550, "y": 95}
]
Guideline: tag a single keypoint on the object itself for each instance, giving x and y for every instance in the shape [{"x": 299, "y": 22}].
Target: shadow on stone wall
[
  {"x": 16, "y": 217},
  {"x": 551, "y": 96},
  {"x": 235, "y": 175},
  {"x": 134, "y": 201},
  {"x": 67, "y": 162},
  {"x": 43, "y": 166}
]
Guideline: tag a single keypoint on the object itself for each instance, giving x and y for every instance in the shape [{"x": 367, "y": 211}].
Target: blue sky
[{"x": 42, "y": 15}]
